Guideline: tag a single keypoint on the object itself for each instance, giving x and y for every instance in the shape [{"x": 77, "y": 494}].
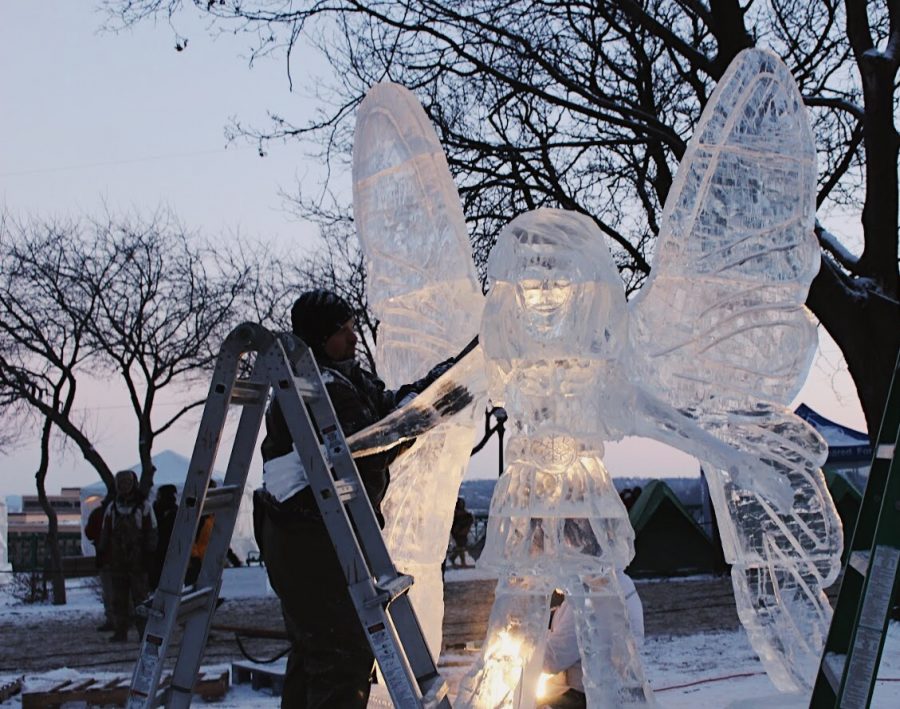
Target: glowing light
[
  {"x": 503, "y": 669},
  {"x": 543, "y": 686}
]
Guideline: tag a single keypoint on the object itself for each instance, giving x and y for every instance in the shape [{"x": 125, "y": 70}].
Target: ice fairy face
[{"x": 554, "y": 282}]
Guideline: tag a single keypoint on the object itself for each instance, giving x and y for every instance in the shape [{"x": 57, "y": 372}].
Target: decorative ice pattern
[
  {"x": 706, "y": 358},
  {"x": 721, "y": 334},
  {"x": 422, "y": 286},
  {"x": 554, "y": 332}
]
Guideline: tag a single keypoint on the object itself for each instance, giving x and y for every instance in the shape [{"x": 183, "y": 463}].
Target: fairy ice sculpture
[
  {"x": 553, "y": 333},
  {"x": 422, "y": 286},
  {"x": 705, "y": 359}
]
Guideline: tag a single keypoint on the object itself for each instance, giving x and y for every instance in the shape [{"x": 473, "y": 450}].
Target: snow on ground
[{"x": 706, "y": 669}]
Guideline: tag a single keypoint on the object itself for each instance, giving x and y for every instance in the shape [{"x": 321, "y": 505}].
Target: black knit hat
[{"x": 318, "y": 314}]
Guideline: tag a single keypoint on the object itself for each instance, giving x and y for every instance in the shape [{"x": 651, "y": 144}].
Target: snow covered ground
[{"x": 703, "y": 670}]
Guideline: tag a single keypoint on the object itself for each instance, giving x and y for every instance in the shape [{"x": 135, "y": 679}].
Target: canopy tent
[
  {"x": 668, "y": 542},
  {"x": 171, "y": 469}
]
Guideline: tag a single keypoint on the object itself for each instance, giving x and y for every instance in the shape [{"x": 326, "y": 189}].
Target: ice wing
[
  {"x": 722, "y": 313},
  {"x": 722, "y": 342},
  {"x": 421, "y": 281},
  {"x": 423, "y": 289}
]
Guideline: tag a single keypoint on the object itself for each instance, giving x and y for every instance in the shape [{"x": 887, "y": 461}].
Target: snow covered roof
[{"x": 843, "y": 443}]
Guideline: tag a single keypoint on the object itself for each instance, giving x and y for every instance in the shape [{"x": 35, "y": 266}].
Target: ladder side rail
[
  {"x": 196, "y": 628},
  {"x": 338, "y": 456},
  {"x": 166, "y": 601},
  {"x": 304, "y": 434},
  {"x": 408, "y": 627},
  {"x": 360, "y": 511},
  {"x": 402, "y": 681},
  {"x": 879, "y": 586},
  {"x": 850, "y": 595},
  {"x": 861, "y": 540}
]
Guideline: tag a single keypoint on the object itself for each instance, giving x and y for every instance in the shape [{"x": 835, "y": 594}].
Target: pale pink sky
[{"x": 93, "y": 121}]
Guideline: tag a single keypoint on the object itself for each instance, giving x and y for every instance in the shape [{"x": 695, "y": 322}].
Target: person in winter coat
[
  {"x": 164, "y": 509},
  {"x": 128, "y": 541},
  {"x": 93, "y": 530},
  {"x": 330, "y": 663},
  {"x": 459, "y": 531}
]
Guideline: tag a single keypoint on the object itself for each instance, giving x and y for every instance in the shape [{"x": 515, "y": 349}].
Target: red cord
[
  {"x": 738, "y": 676},
  {"x": 709, "y": 679}
]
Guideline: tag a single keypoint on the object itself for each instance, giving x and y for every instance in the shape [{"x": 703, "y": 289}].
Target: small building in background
[{"x": 27, "y": 529}]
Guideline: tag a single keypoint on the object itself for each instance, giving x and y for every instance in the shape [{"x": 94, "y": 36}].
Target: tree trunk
[
  {"x": 145, "y": 450},
  {"x": 864, "y": 324},
  {"x": 55, "y": 571}
]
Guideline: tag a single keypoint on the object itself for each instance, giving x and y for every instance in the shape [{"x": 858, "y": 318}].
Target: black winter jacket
[{"x": 359, "y": 400}]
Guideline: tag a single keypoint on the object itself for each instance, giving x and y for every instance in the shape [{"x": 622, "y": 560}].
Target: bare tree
[
  {"x": 141, "y": 300},
  {"x": 588, "y": 106},
  {"x": 165, "y": 301},
  {"x": 44, "y": 330},
  {"x": 43, "y": 347}
]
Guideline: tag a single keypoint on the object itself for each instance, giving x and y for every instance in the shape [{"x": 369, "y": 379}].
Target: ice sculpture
[
  {"x": 706, "y": 359},
  {"x": 553, "y": 333},
  {"x": 422, "y": 286},
  {"x": 721, "y": 334}
]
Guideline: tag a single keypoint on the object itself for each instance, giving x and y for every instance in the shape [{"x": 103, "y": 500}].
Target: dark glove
[{"x": 438, "y": 369}]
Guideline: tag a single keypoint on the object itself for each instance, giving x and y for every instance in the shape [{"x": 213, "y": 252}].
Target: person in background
[
  {"x": 164, "y": 508},
  {"x": 201, "y": 542},
  {"x": 563, "y": 686},
  {"x": 128, "y": 540},
  {"x": 459, "y": 532},
  {"x": 93, "y": 530}
]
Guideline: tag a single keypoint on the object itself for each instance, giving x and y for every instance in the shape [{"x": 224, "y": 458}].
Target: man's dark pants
[{"x": 330, "y": 663}]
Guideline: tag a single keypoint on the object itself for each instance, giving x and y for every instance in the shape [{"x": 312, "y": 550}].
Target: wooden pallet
[
  {"x": 270, "y": 676},
  {"x": 114, "y": 692}
]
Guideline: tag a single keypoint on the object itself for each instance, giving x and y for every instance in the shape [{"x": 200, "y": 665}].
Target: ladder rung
[
  {"x": 246, "y": 391},
  {"x": 194, "y": 601},
  {"x": 434, "y": 690},
  {"x": 389, "y": 589},
  {"x": 885, "y": 451},
  {"x": 219, "y": 498},
  {"x": 833, "y": 666},
  {"x": 859, "y": 560},
  {"x": 304, "y": 387}
]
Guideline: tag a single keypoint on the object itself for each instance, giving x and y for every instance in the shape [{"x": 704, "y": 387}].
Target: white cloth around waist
[{"x": 284, "y": 476}]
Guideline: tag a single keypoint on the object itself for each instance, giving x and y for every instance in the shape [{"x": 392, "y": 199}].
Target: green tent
[{"x": 668, "y": 542}]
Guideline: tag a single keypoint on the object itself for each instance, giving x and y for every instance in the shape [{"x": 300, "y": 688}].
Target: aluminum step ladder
[
  {"x": 855, "y": 641},
  {"x": 285, "y": 366}
]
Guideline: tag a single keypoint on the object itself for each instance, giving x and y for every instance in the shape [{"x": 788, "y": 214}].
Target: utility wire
[{"x": 126, "y": 161}]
